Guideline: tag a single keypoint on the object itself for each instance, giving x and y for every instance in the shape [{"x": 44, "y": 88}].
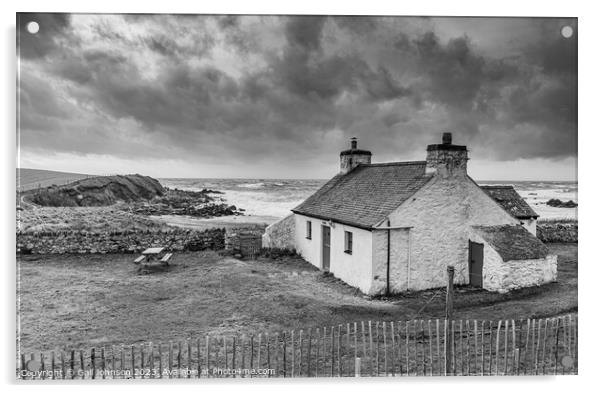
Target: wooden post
[
  {"x": 430, "y": 347},
  {"x": 543, "y": 349},
  {"x": 506, "y": 348},
  {"x": 82, "y": 364},
  {"x": 318, "y": 351},
  {"x": 449, "y": 314},
  {"x": 141, "y": 361},
  {"x": 370, "y": 347},
  {"x": 234, "y": 353},
  {"x": 267, "y": 350},
  {"x": 324, "y": 354},
  {"x": 385, "y": 346},
  {"x": 300, "y": 353},
  {"x": 358, "y": 367},
  {"x": 482, "y": 347},
  {"x": 355, "y": 339},
  {"x": 309, "y": 351},
  {"x": 276, "y": 350},
  {"x": 93, "y": 362},
  {"x": 62, "y": 365},
  {"x": 332, "y": 351},
  {"x": 393, "y": 346},
  {"x": 42, "y": 366},
  {"x": 170, "y": 359},
  {"x": 364, "y": 340},
  {"x": 497, "y": 348},
  {"x": 284, "y": 353},
  {"x": 439, "y": 363},
  {"x": 476, "y": 347},
  {"x": 461, "y": 343},
  {"x": 160, "y": 350},
  {"x": 556, "y": 346},
  {"x": 293, "y": 353},
  {"x": 122, "y": 363},
  {"x": 207, "y": 346},
  {"x": 52, "y": 365},
  {"x": 72, "y": 365},
  {"x": 339, "y": 351},
  {"x": 468, "y": 352},
  {"x": 453, "y": 347},
  {"x": 537, "y": 347},
  {"x": 198, "y": 357},
  {"x": 180, "y": 357}
]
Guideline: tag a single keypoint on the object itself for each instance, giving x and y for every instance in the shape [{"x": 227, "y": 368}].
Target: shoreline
[{"x": 214, "y": 222}]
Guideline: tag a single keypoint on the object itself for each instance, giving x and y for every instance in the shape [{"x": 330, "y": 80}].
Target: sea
[{"x": 276, "y": 197}]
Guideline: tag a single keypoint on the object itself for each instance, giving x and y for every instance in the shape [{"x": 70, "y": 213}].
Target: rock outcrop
[{"x": 98, "y": 191}]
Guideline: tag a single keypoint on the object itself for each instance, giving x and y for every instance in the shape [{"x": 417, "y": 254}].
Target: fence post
[
  {"x": 358, "y": 367},
  {"x": 449, "y": 311}
]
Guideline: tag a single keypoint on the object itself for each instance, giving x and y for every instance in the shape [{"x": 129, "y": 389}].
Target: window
[
  {"x": 308, "y": 230},
  {"x": 348, "y": 242}
]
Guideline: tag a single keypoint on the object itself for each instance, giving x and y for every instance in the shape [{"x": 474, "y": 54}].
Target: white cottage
[{"x": 392, "y": 227}]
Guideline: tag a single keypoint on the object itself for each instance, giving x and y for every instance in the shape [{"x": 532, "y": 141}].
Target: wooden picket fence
[{"x": 367, "y": 348}]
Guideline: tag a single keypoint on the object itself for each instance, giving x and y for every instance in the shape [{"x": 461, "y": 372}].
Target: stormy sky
[{"x": 280, "y": 96}]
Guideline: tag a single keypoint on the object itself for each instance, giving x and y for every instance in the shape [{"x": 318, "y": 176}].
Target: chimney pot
[
  {"x": 354, "y": 143},
  {"x": 447, "y": 138}
]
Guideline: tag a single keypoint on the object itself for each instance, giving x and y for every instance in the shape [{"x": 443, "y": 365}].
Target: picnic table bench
[{"x": 150, "y": 255}]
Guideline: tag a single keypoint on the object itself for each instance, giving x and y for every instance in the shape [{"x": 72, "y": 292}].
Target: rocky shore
[
  {"x": 559, "y": 203},
  {"x": 203, "y": 204}
]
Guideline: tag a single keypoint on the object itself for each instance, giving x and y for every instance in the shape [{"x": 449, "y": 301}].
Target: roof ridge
[
  {"x": 396, "y": 163},
  {"x": 498, "y": 186}
]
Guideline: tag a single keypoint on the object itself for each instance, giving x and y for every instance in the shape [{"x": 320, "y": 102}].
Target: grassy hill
[
  {"x": 97, "y": 191},
  {"x": 30, "y": 179}
]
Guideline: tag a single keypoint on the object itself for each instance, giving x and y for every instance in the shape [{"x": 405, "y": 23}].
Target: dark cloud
[
  {"x": 201, "y": 87},
  {"x": 53, "y": 27}
]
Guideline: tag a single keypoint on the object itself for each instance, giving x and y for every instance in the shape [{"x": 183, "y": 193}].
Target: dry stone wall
[
  {"x": 557, "y": 232},
  {"x": 82, "y": 242}
]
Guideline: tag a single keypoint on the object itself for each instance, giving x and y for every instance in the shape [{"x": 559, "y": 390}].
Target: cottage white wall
[
  {"x": 441, "y": 215},
  {"x": 530, "y": 225},
  {"x": 280, "y": 234},
  {"x": 355, "y": 269},
  {"x": 398, "y": 261},
  {"x": 503, "y": 276},
  {"x": 531, "y": 272}
]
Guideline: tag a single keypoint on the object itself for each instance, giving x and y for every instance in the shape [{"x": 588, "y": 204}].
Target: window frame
[
  {"x": 308, "y": 230},
  {"x": 348, "y": 247}
]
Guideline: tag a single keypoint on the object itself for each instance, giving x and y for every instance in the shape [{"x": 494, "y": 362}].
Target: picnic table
[{"x": 151, "y": 255}]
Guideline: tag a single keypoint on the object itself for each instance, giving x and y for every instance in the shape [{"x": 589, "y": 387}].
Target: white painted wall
[
  {"x": 530, "y": 225},
  {"x": 503, "y": 276},
  {"x": 355, "y": 269},
  {"x": 441, "y": 214}
]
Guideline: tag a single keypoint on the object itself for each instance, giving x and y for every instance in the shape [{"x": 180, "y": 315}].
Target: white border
[{"x": 589, "y": 170}]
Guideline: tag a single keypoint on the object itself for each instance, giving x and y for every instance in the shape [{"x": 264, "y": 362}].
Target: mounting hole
[
  {"x": 33, "y": 27},
  {"x": 566, "y": 31}
]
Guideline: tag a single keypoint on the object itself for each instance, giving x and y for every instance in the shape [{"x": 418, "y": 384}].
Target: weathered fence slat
[{"x": 534, "y": 346}]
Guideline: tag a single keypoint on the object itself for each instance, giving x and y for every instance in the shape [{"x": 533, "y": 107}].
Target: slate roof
[
  {"x": 513, "y": 242},
  {"x": 508, "y": 198},
  {"x": 366, "y": 195}
]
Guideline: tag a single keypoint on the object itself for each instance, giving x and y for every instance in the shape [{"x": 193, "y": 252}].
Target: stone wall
[
  {"x": 280, "y": 234},
  {"x": 81, "y": 242},
  {"x": 557, "y": 232}
]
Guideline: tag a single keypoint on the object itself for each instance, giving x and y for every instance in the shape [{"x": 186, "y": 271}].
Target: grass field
[
  {"x": 83, "y": 300},
  {"x": 30, "y": 179}
]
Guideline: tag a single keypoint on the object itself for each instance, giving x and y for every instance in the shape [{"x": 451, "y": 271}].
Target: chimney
[
  {"x": 353, "y": 157},
  {"x": 446, "y": 159}
]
